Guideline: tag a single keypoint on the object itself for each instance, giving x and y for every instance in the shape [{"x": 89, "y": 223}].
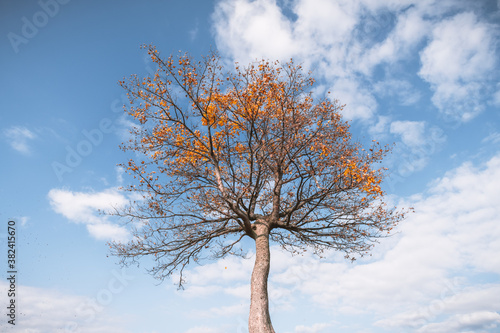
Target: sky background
[{"x": 421, "y": 74}]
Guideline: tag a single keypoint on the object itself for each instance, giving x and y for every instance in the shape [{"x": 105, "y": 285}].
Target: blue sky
[{"x": 421, "y": 74}]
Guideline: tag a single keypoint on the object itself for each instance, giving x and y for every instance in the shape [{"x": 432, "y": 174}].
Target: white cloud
[
  {"x": 120, "y": 171},
  {"x": 454, "y": 298},
  {"x": 412, "y": 132},
  {"x": 320, "y": 37},
  {"x": 428, "y": 276},
  {"x": 225, "y": 271},
  {"x": 241, "y": 291},
  {"x": 241, "y": 25},
  {"x": 380, "y": 128},
  {"x": 125, "y": 126},
  {"x": 472, "y": 322},
  {"x": 316, "y": 328},
  {"x": 193, "y": 33},
  {"x": 457, "y": 62},
  {"x": 21, "y": 220},
  {"x": 345, "y": 41},
  {"x": 404, "y": 91},
  {"x": 108, "y": 231},
  {"x": 229, "y": 276},
  {"x": 360, "y": 103},
  {"x": 223, "y": 311},
  {"x": 321, "y": 24},
  {"x": 459, "y": 50},
  {"x": 204, "y": 329},
  {"x": 410, "y": 29},
  {"x": 81, "y": 207},
  {"x": 18, "y": 138},
  {"x": 492, "y": 138},
  {"x": 496, "y": 95},
  {"x": 74, "y": 313},
  {"x": 418, "y": 143},
  {"x": 454, "y": 230}
]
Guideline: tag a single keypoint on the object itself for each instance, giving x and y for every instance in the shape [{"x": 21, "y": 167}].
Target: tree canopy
[{"x": 218, "y": 150}]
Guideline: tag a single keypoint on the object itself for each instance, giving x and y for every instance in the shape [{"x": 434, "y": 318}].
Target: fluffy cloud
[
  {"x": 344, "y": 42},
  {"x": 430, "y": 277},
  {"x": 457, "y": 62},
  {"x": 360, "y": 102},
  {"x": 81, "y": 207},
  {"x": 410, "y": 28},
  {"x": 412, "y": 132},
  {"x": 320, "y": 36},
  {"x": 244, "y": 41},
  {"x": 18, "y": 138},
  {"x": 454, "y": 229}
]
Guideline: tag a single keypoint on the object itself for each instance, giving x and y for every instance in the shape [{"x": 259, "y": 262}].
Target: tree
[{"x": 247, "y": 153}]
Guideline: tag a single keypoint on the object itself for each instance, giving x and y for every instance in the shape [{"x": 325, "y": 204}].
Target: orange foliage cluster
[{"x": 231, "y": 148}]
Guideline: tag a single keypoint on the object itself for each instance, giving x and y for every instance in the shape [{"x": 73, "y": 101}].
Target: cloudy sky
[{"x": 421, "y": 74}]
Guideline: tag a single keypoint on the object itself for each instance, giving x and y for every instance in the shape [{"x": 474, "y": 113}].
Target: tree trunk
[{"x": 259, "y": 320}]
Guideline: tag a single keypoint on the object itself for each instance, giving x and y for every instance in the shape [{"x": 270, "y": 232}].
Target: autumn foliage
[
  {"x": 222, "y": 150},
  {"x": 220, "y": 155},
  {"x": 217, "y": 153}
]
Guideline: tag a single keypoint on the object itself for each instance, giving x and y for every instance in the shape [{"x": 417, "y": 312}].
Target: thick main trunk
[{"x": 259, "y": 320}]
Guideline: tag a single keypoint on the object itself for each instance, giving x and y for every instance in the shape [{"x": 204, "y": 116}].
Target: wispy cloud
[
  {"x": 419, "y": 143},
  {"x": 204, "y": 329},
  {"x": 404, "y": 92},
  {"x": 471, "y": 322},
  {"x": 193, "y": 33},
  {"x": 74, "y": 313},
  {"x": 18, "y": 138},
  {"x": 492, "y": 138}
]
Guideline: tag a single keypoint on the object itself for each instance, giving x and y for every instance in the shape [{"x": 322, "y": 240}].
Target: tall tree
[{"x": 220, "y": 155}]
